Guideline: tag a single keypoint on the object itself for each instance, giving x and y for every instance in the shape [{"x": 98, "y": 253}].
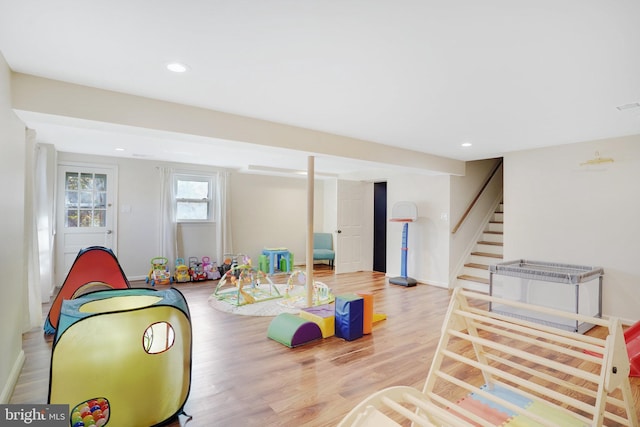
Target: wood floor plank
[{"x": 242, "y": 378}]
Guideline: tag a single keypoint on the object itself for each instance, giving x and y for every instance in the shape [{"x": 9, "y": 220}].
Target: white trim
[{"x": 12, "y": 380}]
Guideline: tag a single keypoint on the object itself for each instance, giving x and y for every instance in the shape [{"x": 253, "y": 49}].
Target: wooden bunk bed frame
[{"x": 527, "y": 373}]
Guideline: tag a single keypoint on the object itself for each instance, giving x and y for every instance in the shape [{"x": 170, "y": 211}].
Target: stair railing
[{"x": 475, "y": 200}]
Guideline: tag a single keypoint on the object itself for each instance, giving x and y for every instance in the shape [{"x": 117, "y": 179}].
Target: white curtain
[
  {"x": 39, "y": 230},
  {"x": 168, "y": 225},
  {"x": 45, "y": 215},
  {"x": 223, "y": 216}
]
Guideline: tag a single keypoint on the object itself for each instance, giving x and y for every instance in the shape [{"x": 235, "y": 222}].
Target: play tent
[
  {"x": 95, "y": 267},
  {"x": 122, "y": 357}
]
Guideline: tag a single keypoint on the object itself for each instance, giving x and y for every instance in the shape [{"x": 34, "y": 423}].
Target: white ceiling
[{"x": 424, "y": 75}]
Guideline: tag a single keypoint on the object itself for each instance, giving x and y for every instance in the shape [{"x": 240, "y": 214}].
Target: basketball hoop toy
[{"x": 404, "y": 212}]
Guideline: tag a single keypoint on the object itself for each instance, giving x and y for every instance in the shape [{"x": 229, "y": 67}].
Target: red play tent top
[{"x": 94, "y": 267}]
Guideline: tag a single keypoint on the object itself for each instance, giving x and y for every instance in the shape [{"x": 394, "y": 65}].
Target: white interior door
[
  {"x": 349, "y": 237},
  {"x": 86, "y": 212}
]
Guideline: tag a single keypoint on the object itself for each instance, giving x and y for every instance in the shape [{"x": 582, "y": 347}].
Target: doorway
[
  {"x": 351, "y": 228},
  {"x": 380, "y": 227},
  {"x": 86, "y": 212}
]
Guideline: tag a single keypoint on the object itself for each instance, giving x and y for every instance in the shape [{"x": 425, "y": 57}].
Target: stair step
[
  {"x": 476, "y": 265},
  {"x": 487, "y": 254},
  {"x": 485, "y": 242},
  {"x": 493, "y": 232},
  {"x": 474, "y": 279}
]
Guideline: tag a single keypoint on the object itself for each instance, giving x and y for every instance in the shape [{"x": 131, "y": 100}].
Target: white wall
[
  {"x": 559, "y": 211},
  {"x": 428, "y": 237},
  {"x": 271, "y": 211},
  {"x": 329, "y": 207},
  {"x": 12, "y": 261}
]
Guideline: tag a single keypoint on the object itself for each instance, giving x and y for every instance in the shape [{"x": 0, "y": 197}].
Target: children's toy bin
[{"x": 566, "y": 287}]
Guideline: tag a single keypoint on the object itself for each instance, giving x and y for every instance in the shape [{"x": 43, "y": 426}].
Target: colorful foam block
[
  {"x": 504, "y": 394},
  {"x": 367, "y": 320},
  {"x": 487, "y": 413},
  {"x": 349, "y": 316},
  {"x": 293, "y": 331},
  {"x": 323, "y": 316}
]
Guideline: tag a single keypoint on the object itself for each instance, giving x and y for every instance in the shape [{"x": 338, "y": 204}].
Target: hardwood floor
[{"x": 242, "y": 378}]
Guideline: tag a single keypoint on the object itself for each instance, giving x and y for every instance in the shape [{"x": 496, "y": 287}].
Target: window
[
  {"x": 194, "y": 198},
  {"x": 85, "y": 199}
]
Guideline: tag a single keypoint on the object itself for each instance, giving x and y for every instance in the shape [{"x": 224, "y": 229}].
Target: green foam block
[{"x": 292, "y": 330}]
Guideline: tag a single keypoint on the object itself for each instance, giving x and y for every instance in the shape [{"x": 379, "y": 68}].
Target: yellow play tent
[{"x": 122, "y": 357}]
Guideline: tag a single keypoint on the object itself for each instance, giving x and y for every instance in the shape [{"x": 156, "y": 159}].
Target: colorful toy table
[{"x": 274, "y": 255}]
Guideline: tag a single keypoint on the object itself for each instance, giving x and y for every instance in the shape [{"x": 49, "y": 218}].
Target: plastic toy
[
  {"x": 195, "y": 270},
  {"x": 226, "y": 265},
  {"x": 232, "y": 261},
  {"x": 159, "y": 273},
  {"x": 181, "y": 274},
  {"x": 210, "y": 269},
  {"x": 247, "y": 280},
  {"x": 404, "y": 212},
  {"x": 295, "y": 298}
]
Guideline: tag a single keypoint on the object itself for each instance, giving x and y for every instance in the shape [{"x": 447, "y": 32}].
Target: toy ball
[
  {"x": 78, "y": 424},
  {"x": 75, "y": 417},
  {"x": 89, "y": 421},
  {"x": 101, "y": 422}
]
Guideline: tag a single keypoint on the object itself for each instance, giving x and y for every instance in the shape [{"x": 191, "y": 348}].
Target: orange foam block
[{"x": 367, "y": 320}]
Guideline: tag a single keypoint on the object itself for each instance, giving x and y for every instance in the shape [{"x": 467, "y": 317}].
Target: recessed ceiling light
[
  {"x": 119, "y": 149},
  {"x": 177, "y": 67},
  {"x": 466, "y": 144}
]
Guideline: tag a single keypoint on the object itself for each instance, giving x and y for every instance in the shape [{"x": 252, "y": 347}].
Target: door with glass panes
[{"x": 86, "y": 212}]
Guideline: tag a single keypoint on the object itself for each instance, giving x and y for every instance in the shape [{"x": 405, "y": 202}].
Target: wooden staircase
[{"x": 488, "y": 250}]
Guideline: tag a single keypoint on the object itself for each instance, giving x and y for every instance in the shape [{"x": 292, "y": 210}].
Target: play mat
[{"x": 246, "y": 290}]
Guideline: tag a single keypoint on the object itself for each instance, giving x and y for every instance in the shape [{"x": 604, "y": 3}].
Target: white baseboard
[
  {"x": 7, "y": 390},
  {"x": 425, "y": 282}
]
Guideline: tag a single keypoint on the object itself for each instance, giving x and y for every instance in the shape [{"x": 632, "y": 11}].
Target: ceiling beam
[{"x": 41, "y": 95}]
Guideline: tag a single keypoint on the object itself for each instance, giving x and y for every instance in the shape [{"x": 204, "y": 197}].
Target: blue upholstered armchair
[{"x": 323, "y": 248}]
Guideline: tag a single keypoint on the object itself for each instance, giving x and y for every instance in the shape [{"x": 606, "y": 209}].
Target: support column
[{"x": 310, "y": 196}]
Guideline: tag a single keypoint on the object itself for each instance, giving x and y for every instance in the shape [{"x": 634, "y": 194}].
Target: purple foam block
[{"x": 307, "y": 332}]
